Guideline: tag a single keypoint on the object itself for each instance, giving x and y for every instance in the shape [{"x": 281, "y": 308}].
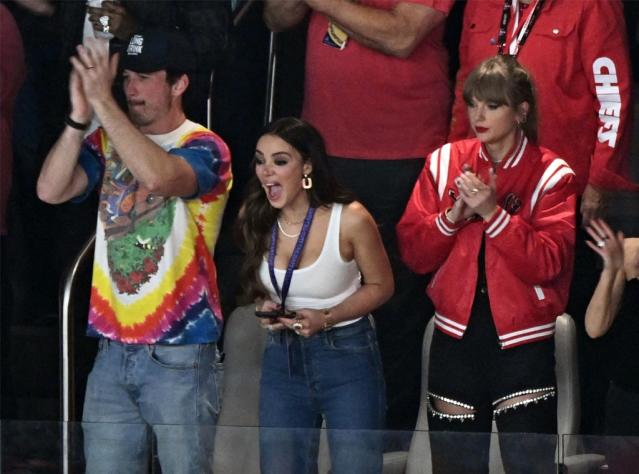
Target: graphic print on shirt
[
  {"x": 512, "y": 203},
  {"x": 154, "y": 278},
  {"x": 136, "y": 226},
  {"x": 609, "y": 97}
]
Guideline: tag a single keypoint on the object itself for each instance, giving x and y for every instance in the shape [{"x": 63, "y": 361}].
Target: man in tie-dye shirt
[{"x": 163, "y": 183}]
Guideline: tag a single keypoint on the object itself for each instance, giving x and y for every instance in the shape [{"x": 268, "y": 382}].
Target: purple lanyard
[
  {"x": 527, "y": 26},
  {"x": 292, "y": 263}
]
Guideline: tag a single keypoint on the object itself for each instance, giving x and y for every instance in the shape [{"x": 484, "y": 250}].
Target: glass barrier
[
  {"x": 610, "y": 454},
  {"x": 50, "y": 447},
  {"x": 34, "y": 447}
]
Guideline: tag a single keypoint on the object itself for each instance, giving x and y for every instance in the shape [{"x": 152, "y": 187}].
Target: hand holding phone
[
  {"x": 271, "y": 314},
  {"x": 274, "y": 314}
]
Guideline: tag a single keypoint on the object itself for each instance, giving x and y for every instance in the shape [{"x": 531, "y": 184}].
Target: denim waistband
[
  {"x": 105, "y": 341},
  {"x": 356, "y": 327},
  {"x": 294, "y": 343}
]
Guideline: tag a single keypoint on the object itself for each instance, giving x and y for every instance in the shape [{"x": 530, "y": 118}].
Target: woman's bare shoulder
[{"x": 355, "y": 217}]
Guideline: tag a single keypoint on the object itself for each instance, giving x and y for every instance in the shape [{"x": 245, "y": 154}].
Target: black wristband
[{"x": 77, "y": 125}]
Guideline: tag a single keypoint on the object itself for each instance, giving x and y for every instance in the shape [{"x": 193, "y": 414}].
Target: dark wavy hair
[
  {"x": 257, "y": 216},
  {"x": 502, "y": 80}
]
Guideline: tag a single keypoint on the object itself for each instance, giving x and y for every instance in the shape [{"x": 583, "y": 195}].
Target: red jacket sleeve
[
  {"x": 425, "y": 236},
  {"x": 539, "y": 250},
  {"x": 606, "y": 63}
]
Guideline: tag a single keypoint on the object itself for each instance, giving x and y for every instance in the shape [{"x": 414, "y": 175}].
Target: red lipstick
[{"x": 481, "y": 129}]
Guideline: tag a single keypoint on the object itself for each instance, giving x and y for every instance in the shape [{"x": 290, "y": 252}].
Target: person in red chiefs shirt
[
  {"x": 577, "y": 54},
  {"x": 377, "y": 89},
  {"x": 12, "y": 72}
]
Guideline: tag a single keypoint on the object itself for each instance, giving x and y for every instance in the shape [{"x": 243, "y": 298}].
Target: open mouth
[
  {"x": 481, "y": 129},
  {"x": 273, "y": 191}
]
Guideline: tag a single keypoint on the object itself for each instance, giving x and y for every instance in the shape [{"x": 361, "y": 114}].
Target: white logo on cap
[{"x": 135, "y": 45}]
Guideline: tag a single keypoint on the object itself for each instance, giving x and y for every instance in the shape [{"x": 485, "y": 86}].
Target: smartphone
[{"x": 273, "y": 314}]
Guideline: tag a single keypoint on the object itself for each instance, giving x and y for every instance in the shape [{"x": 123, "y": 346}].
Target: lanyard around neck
[
  {"x": 519, "y": 39},
  {"x": 292, "y": 263}
]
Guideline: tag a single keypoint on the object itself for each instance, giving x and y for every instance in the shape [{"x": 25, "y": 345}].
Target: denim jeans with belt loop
[
  {"x": 335, "y": 375},
  {"x": 135, "y": 389}
]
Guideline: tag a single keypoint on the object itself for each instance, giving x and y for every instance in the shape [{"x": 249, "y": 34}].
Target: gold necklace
[
  {"x": 288, "y": 222},
  {"x": 286, "y": 234}
]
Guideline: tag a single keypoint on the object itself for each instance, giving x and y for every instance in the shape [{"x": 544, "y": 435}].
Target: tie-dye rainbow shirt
[{"x": 154, "y": 280}]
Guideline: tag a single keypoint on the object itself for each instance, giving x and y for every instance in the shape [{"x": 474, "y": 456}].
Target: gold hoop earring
[{"x": 307, "y": 182}]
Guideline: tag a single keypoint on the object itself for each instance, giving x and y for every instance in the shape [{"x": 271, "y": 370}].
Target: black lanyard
[
  {"x": 292, "y": 263},
  {"x": 521, "y": 37}
]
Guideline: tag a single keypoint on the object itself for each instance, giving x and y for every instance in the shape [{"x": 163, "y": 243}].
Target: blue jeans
[
  {"x": 335, "y": 375},
  {"x": 136, "y": 388},
  {"x": 400, "y": 321}
]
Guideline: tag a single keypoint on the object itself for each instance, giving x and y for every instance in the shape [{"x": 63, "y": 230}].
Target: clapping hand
[
  {"x": 95, "y": 70},
  {"x": 479, "y": 197}
]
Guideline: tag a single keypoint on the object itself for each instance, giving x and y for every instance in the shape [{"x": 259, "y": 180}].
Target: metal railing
[
  {"x": 269, "y": 108},
  {"x": 67, "y": 347}
]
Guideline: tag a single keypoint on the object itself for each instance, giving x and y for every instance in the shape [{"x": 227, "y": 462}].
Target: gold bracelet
[{"x": 328, "y": 323}]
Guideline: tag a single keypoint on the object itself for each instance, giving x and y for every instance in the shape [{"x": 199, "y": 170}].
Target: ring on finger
[
  {"x": 297, "y": 327},
  {"x": 474, "y": 191},
  {"x": 104, "y": 21},
  {"x": 601, "y": 243}
]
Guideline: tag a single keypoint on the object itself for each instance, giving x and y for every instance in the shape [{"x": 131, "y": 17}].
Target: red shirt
[
  {"x": 578, "y": 56},
  {"x": 370, "y": 105},
  {"x": 12, "y": 71}
]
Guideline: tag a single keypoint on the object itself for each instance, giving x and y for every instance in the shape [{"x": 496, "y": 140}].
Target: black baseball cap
[{"x": 156, "y": 50}]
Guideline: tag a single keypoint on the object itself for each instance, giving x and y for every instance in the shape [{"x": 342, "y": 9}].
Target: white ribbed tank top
[{"x": 328, "y": 281}]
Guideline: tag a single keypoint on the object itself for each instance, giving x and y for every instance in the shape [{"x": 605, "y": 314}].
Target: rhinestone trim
[
  {"x": 523, "y": 403},
  {"x": 447, "y": 416},
  {"x": 524, "y": 392},
  {"x": 451, "y": 401}
]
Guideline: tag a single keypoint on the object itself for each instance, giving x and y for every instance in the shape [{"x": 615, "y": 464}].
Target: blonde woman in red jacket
[{"x": 494, "y": 218}]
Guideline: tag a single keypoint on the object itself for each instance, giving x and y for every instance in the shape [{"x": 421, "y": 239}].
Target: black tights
[
  {"x": 474, "y": 372},
  {"x": 463, "y": 447}
]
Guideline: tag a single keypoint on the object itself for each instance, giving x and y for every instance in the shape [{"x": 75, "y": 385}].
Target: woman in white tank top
[{"x": 316, "y": 267}]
